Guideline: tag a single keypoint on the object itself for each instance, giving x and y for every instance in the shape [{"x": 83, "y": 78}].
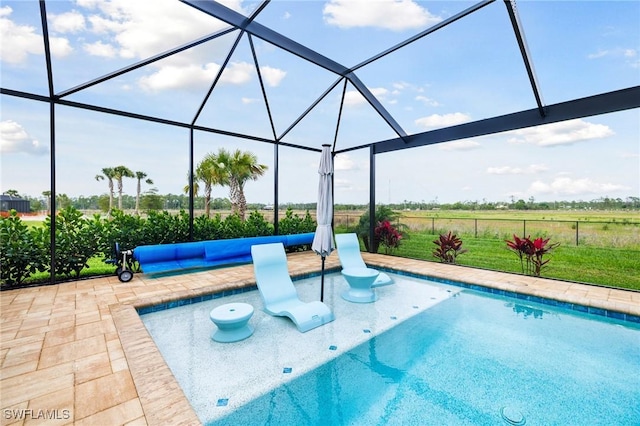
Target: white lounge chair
[
  {"x": 278, "y": 292},
  {"x": 350, "y": 257}
]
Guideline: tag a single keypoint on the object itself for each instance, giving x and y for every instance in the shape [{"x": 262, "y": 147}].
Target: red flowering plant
[
  {"x": 531, "y": 253},
  {"x": 449, "y": 247},
  {"x": 388, "y": 236}
]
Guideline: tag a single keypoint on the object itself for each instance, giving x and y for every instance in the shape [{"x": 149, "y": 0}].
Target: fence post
[
  {"x": 475, "y": 227},
  {"x": 433, "y": 226},
  {"x": 524, "y": 228},
  {"x": 577, "y": 233}
]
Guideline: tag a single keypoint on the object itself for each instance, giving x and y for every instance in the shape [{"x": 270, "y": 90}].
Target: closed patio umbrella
[{"x": 323, "y": 239}]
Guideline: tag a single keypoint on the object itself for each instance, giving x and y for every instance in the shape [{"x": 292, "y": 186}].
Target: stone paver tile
[
  {"x": 620, "y": 296},
  {"x": 92, "y": 367},
  {"x": 59, "y": 336},
  {"x": 15, "y": 311},
  {"x": 18, "y": 369},
  {"x": 34, "y": 322},
  {"x": 119, "y": 364},
  {"x": 140, "y": 421},
  {"x": 35, "y": 384},
  {"x": 36, "y": 331},
  {"x": 92, "y": 329},
  {"x": 56, "y": 407},
  {"x": 124, "y": 413},
  {"x": 77, "y": 349},
  {"x": 62, "y": 314},
  {"x": 59, "y": 323},
  {"x": 6, "y": 336},
  {"x": 14, "y": 414},
  {"x": 87, "y": 315},
  {"x": 105, "y": 392},
  {"x": 177, "y": 414},
  {"x": 23, "y": 350},
  {"x": 576, "y": 292}
]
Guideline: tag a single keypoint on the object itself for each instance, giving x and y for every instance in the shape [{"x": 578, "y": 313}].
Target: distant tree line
[
  {"x": 603, "y": 203},
  {"x": 152, "y": 201}
]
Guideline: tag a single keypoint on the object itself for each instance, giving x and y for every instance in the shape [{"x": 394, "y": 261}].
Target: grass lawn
[
  {"x": 97, "y": 267},
  {"x": 613, "y": 267}
]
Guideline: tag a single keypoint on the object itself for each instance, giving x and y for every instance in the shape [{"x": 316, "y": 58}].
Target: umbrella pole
[{"x": 322, "y": 282}]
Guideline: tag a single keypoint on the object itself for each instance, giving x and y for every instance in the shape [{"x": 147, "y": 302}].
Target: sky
[{"x": 466, "y": 71}]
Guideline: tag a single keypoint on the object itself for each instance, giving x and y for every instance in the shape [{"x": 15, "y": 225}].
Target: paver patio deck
[{"x": 78, "y": 353}]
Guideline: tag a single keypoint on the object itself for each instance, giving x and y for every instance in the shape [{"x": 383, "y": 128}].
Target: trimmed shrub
[{"x": 22, "y": 250}]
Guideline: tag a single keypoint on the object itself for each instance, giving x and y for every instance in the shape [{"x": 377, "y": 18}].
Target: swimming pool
[{"x": 424, "y": 353}]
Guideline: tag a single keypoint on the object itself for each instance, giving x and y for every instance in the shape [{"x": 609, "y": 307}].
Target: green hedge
[{"x": 25, "y": 250}]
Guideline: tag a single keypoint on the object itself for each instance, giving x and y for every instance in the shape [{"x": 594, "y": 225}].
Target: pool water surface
[{"x": 424, "y": 353}]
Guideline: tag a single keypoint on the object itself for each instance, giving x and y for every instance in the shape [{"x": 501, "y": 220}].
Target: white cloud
[
  {"x": 563, "y": 186},
  {"x": 18, "y": 41},
  {"x": 509, "y": 170},
  {"x": 272, "y": 76},
  {"x": 617, "y": 52},
  {"x": 172, "y": 77},
  {"x": 427, "y": 101},
  {"x": 343, "y": 162},
  {"x": 248, "y": 101},
  {"x": 195, "y": 77},
  {"x": 100, "y": 49},
  {"x": 237, "y": 73},
  {"x": 69, "y": 22},
  {"x": 629, "y": 55},
  {"x": 598, "y": 54},
  {"x": 379, "y": 92},
  {"x": 563, "y": 133},
  {"x": 463, "y": 145},
  {"x": 60, "y": 47},
  {"x": 444, "y": 120},
  {"x": 141, "y": 29},
  {"x": 101, "y": 25},
  {"x": 401, "y": 85},
  {"x": 14, "y": 139},
  {"x": 355, "y": 98},
  {"x": 396, "y": 15}
]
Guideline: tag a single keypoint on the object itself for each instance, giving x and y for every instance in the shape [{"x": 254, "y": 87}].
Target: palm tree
[
  {"x": 108, "y": 173},
  {"x": 47, "y": 195},
  {"x": 211, "y": 171},
  {"x": 196, "y": 187},
  {"x": 140, "y": 176},
  {"x": 120, "y": 173},
  {"x": 227, "y": 168},
  {"x": 242, "y": 167}
]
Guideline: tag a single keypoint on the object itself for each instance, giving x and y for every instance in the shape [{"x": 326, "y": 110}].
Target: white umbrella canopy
[{"x": 323, "y": 239}]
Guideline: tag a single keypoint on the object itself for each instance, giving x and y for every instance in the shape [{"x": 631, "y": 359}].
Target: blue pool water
[{"x": 470, "y": 358}]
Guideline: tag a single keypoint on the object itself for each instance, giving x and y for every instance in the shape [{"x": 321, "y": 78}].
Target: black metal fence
[{"x": 617, "y": 233}]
